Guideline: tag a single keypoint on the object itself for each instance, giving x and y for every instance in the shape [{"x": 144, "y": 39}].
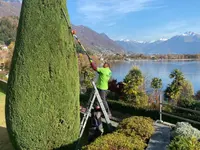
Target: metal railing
[{"x": 161, "y": 104}]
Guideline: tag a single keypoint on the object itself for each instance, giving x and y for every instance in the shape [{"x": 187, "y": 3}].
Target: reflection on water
[{"x": 160, "y": 69}]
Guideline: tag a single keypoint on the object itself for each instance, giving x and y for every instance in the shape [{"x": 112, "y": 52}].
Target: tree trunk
[{"x": 42, "y": 102}]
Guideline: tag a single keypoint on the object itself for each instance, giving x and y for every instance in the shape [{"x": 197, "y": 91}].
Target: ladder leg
[
  {"x": 88, "y": 105},
  {"x": 103, "y": 109},
  {"x": 84, "y": 122}
]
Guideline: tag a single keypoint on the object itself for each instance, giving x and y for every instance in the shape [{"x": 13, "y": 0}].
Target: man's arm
[{"x": 93, "y": 65}]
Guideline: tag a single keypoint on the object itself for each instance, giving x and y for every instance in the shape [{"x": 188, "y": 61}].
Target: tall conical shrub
[{"x": 42, "y": 101}]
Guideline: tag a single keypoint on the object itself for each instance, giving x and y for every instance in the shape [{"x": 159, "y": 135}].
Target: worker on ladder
[
  {"x": 96, "y": 128},
  {"x": 102, "y": 82}
]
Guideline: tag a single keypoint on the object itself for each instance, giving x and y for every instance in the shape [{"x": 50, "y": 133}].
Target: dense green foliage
[
  {"x": 116, "y": 141},
  {"x": 133, "y": 90},
  {"x": 131, "y": 134},
  {"x": 42, "y": 102},
  {"x": 186, "y": 98},
  {"x": 8, "y": 27},
  {"x": 173, "y": 90},
  {"x": 126, "y": 108},
  {"x": 156, "y": 83},
  {"x": 140, "y": 126},
  {"x": 86, "y": 75},
  {"x": 180, "y": 91},
  {"x": 184, "y": 143}
]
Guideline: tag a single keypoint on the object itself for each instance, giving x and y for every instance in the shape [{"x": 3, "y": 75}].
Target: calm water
[{"x": 160, "y": 69}]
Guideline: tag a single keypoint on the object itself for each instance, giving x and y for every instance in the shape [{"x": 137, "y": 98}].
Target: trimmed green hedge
[
  {"x": 154, "y": 114},
  {"x": 137, "y": 126},
  {"x": 116, "y": 141},
  {"x": 120, "y": 106},
  {"x": 42, "y": 102},
  {"x": 132, "y": 134},
  {"x": 130, "y": 109}
]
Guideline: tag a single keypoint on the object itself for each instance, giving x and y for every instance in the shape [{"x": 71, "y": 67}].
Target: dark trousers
[{"x": 103, "y": 94}]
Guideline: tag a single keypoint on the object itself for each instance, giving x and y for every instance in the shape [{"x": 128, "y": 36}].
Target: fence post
[{"x": 160, "y": 105}]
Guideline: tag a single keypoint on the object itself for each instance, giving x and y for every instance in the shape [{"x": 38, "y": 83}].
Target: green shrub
[
  {"x": 141, "y": 101},
  {"x": 132, "y": 89},
  {"x": 184, "y": 143},
  {"x": 124, "y": 107},
  {"x": 185, "y": 129},
  {"x": 141, "y": 126},
  {"x": 42, "y": 100},
  {"x": 116, "y": 141}
]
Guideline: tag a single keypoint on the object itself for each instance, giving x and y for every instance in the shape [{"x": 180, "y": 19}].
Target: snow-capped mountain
[{"x": 186, "y": 43}]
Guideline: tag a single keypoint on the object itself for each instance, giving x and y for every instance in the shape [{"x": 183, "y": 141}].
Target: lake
[{"x": 160, "y": 69}]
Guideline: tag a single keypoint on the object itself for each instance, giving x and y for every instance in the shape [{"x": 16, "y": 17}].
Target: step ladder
[{"x": 94, "y": 96}]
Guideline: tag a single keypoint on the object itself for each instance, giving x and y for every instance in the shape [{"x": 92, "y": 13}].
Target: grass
[{"x": 5, "y": 143}]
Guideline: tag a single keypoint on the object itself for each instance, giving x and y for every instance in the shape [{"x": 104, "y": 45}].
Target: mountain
[
  {"x": 97, "y": 42},
  {"x": 93, "y": 41},
  {"x": 187, "y": 43},
  {"x": 132, "y": 46},
  {"x": 16, "y": 1},
  {"x": 10, "y": 8}
]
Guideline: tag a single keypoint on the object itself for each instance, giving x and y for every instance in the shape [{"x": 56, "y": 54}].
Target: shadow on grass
[
  {"x": 5, "y": 143},
  {"x": 3, "y": 86}
]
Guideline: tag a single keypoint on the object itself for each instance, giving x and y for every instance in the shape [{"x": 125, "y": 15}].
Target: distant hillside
[
  {"x": 10, "y": 8},
  {"x": 8, "y": 29},
  {"x": 97, "y": 42},
  {"x": 187, "y": 43},
  {"x": 93, "y": 41}
]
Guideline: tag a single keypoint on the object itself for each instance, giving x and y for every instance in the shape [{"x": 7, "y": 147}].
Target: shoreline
[{"x": 157, "y": 60}]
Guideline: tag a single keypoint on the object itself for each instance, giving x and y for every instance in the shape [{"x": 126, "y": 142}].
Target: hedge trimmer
[{"x": 73, "y": 32}]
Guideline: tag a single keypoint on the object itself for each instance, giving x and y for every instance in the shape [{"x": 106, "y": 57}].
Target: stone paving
[{"x": 161, "y": 138}]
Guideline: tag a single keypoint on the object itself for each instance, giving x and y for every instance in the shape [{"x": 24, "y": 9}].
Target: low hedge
[
  {"x": 140, "y": 126},
  {"x": 116, "y": 141},
  {"x": 184, "y": 143},
  {"x": 152, "y": 113},
  {"x": 127, "y": 108},
  {"x": 130, "y": 109},
  {"x": 131, "y": 134}
]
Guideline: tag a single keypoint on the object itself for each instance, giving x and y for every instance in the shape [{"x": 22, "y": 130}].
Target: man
[
  {"x": 96, "y": 128},
  {"x": 102, "y": 82}
]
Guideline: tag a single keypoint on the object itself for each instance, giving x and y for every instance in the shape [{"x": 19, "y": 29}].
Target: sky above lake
[{"x": 141, "y": 20}]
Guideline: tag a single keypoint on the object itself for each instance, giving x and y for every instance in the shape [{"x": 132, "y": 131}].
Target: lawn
[{"x": 4, "y": 139}]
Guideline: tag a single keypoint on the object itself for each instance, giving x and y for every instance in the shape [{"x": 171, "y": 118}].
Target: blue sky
[{"x": 143, "y": 20}]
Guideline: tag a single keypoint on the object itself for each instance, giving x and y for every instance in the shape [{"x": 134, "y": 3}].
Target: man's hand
[
  {"x": 91, "y": 60},
  {"x": 93, "y": 65}
]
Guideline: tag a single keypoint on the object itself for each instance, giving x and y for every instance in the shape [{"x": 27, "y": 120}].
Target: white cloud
[
  {"x": 110, "y": 24},
  {"x": 96, "y": 11}
]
